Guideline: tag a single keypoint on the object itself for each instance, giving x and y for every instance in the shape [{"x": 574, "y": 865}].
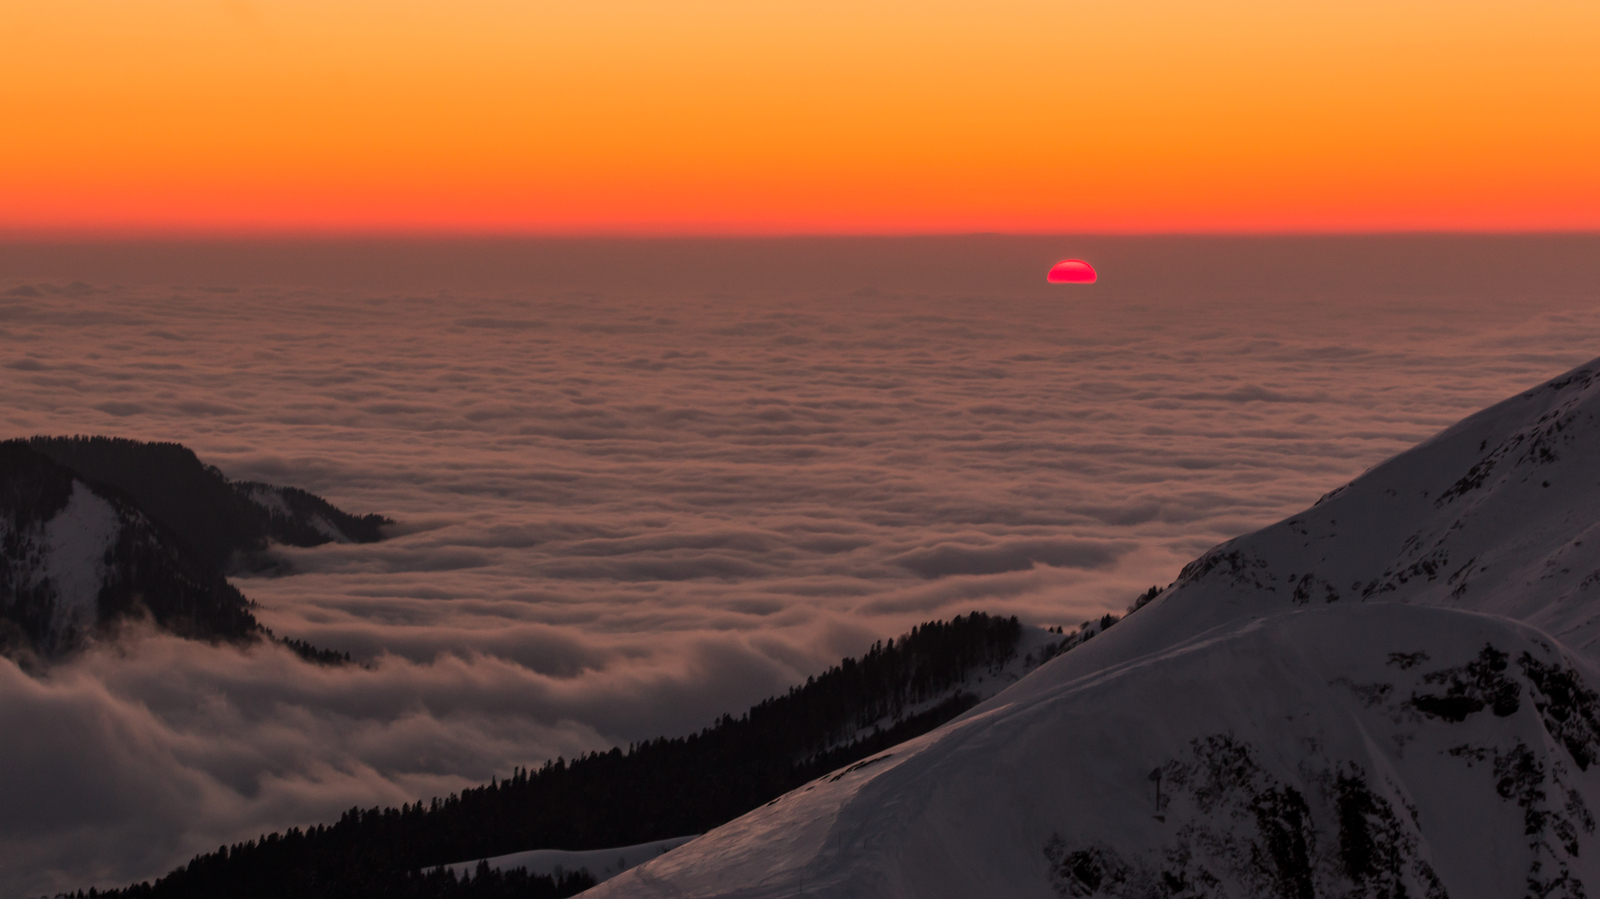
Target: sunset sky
[{"x": 870, "y": 116}]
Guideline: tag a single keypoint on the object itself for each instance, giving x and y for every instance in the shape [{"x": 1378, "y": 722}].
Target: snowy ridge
[
  {"x": 1496, "y": 514},
  {"x": 276, "y": 501},
  {"x": 601, "y": 864},
  {"x": 1391, "y": 693},
  {"x": 269, "y": 498}
]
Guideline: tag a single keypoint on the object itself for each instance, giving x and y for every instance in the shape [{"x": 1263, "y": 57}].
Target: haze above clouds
[{"x": 640, "y": 484}]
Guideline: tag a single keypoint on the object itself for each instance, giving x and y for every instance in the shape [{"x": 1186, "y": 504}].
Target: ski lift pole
[{"x": 1155, "y": 775}]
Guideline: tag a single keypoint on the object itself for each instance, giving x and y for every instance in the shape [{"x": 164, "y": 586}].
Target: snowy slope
[
  {"x": 53, "y": 565},
  {"x": 1497, "y": 514},
  {"x": 1032, "y": 647},
  {"x": 1392, "y": 689},
  {"x": 602, "y": 864},
  {"x": 75, "y": 545}
]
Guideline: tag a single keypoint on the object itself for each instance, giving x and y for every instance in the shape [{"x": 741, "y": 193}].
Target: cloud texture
[{"x": 629, "y": 503}]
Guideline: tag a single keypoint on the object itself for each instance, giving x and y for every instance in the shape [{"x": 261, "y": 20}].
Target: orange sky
[{"x": 791, "y": 116}]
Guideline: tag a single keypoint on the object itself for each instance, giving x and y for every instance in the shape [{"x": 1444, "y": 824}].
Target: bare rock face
[{"x": 1392, "y": 693}]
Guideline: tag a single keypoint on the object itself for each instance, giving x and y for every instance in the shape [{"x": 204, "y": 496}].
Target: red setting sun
[{"x": 1072, "y": 271}]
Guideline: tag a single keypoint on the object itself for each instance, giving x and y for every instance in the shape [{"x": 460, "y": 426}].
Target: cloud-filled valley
[{"x": 628, "y": 506}]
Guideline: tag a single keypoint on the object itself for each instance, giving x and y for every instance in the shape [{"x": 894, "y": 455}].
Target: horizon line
[{"x": 356, "y": 235}]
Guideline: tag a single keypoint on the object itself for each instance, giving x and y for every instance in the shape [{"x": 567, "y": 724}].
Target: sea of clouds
[{"x": 640, "y": 484}]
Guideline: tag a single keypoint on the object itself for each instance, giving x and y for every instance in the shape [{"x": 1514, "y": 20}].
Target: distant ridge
[
  {"x": 227, "y": 524},
  {"x": 76, "y": 558},
  {"x": 97, "y": 530}
]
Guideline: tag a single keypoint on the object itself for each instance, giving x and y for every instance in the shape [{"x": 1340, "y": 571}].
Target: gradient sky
[{"x": 787, "y": 116}]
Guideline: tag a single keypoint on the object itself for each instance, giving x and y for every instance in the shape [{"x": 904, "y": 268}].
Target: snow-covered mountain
[{"x": 1389, "y": 694}]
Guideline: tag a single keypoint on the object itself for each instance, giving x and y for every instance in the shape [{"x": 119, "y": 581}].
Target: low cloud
[
  {"x": 625, "y": 512},
  {"x": 127, "y": 759},
  {"x": 1013, "y": 555},
  {"x": 121, "y": 410}
]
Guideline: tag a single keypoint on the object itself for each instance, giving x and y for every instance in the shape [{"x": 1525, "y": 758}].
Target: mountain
[
  {"x": 94, "y": 530},
  {"x": 76, "y": 557},
  {"x": 652, "y": 791},
  {"x": 1389, "y": 694},
  {"x": 227, "y": 525}
]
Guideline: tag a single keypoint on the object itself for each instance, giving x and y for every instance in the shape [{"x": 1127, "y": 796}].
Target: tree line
[{"x": 661, "y": 788}]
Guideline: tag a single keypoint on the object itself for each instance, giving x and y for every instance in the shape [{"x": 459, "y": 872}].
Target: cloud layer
[{"x": 627, "y": 509}]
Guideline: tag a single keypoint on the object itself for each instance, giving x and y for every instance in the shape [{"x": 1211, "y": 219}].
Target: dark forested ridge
[
  {"x": 141, "y": 568},
  {"x": 662, "y": 788},
  {"x": 159, "y": 532},
  {"x": 227, "y": 525}
]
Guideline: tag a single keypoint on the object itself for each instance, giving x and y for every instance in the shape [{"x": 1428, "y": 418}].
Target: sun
[{"x": 1072, "y": 271}]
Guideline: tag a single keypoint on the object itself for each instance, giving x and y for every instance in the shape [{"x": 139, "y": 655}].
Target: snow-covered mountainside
[
  {"x": 75, "y": 556},
  {"x": 1392, "y": 693},
  {"x": 891, "y": 715}
]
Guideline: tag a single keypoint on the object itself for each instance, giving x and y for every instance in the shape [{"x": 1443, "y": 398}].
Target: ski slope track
[{"x": 1392, "y": 693}]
